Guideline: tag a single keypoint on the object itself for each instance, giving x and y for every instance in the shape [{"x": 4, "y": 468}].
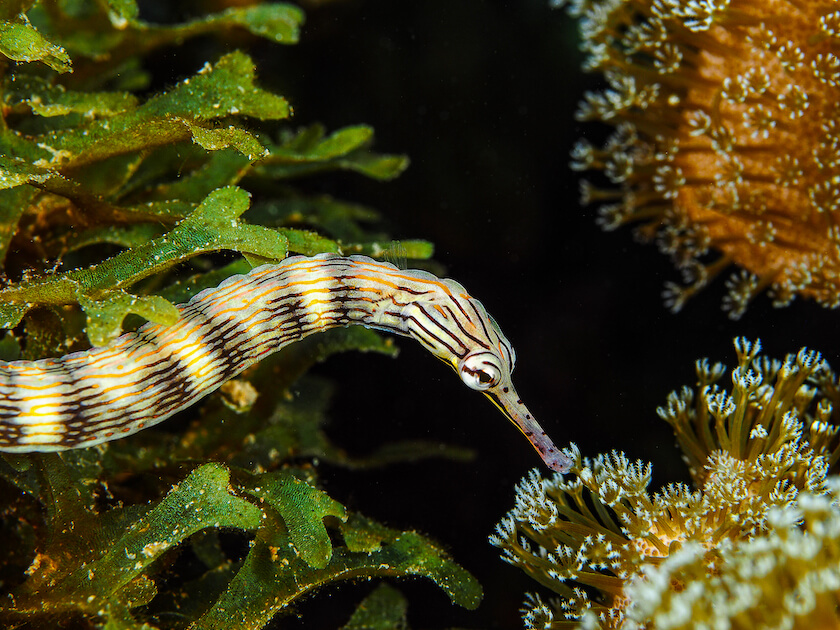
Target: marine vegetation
[
  {"x": 119, "y": 198},
  {"x": 724, "y": 146},
  {"x": 752, "y": 542}
]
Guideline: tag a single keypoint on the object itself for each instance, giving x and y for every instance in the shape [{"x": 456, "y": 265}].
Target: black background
[{"x": 481, "y": 96}]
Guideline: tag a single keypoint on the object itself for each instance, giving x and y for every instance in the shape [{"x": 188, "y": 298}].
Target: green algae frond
[
  {"x": 85, "y": 168},
  {"x": 119, "y": 199}
]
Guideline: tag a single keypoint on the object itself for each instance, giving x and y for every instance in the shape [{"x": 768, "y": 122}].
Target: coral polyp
[{"x": 726, "y": 146}]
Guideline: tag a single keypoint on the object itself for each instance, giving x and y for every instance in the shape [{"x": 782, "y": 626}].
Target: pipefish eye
[{"x": 480, "y": 371}]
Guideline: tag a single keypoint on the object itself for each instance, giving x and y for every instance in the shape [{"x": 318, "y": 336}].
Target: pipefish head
[{"x": 486, "y": 364}]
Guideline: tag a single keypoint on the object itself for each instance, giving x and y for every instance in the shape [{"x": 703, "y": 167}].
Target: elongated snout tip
[
  {"x": 558, "y": 461},
  {"x": 517, "y": 413},
  {"x": 553, "y": 457}
]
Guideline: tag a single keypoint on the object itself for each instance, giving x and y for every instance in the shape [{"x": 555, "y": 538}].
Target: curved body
[{"x": 144, "y": 377}]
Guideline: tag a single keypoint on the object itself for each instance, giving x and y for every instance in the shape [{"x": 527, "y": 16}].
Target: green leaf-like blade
[
  {"x": 279, "y": 23},
  {"x": 303, "y": 509},
  {"x": 22, "y": 42},
  {"x": 48, "y": 98},
  {"x": 224, "y": 89},
  {"x": 217, "y": 139},
  {"x": 274, "y": 576},
  {"x": 203, "y": 500},
  {"x": 310, "y": 152},
  {"x": 106, "y": 314}
]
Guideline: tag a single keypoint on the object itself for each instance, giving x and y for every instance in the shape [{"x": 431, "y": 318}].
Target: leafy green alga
[
  {"x": 291, "y": 555},
  {"x": 120, "y": 198}
]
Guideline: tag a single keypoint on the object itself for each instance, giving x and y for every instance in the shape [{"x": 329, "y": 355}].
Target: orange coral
[{"x": 726, "y": 138}]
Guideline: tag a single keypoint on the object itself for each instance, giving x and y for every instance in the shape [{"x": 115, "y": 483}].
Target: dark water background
[{"x": 481, "y": 96}]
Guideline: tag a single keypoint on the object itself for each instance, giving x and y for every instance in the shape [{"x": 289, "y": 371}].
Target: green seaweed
[
  {"x": 106, "y": 573},
  {"x": 118, "y": 200},
  {"x": 102, "y": 36},
  {"x": 396, "y": 554},
  {"x": 173, "y": 118},
  {"x": 21, "y": 41}
]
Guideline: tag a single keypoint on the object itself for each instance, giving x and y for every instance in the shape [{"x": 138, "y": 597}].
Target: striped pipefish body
[{"x": 144, "y": 377}]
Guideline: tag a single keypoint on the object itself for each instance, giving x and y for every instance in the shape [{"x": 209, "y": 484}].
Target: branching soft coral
[
  {"x": 725, "y": 145},
  {"x": 607, "y": 546}
]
